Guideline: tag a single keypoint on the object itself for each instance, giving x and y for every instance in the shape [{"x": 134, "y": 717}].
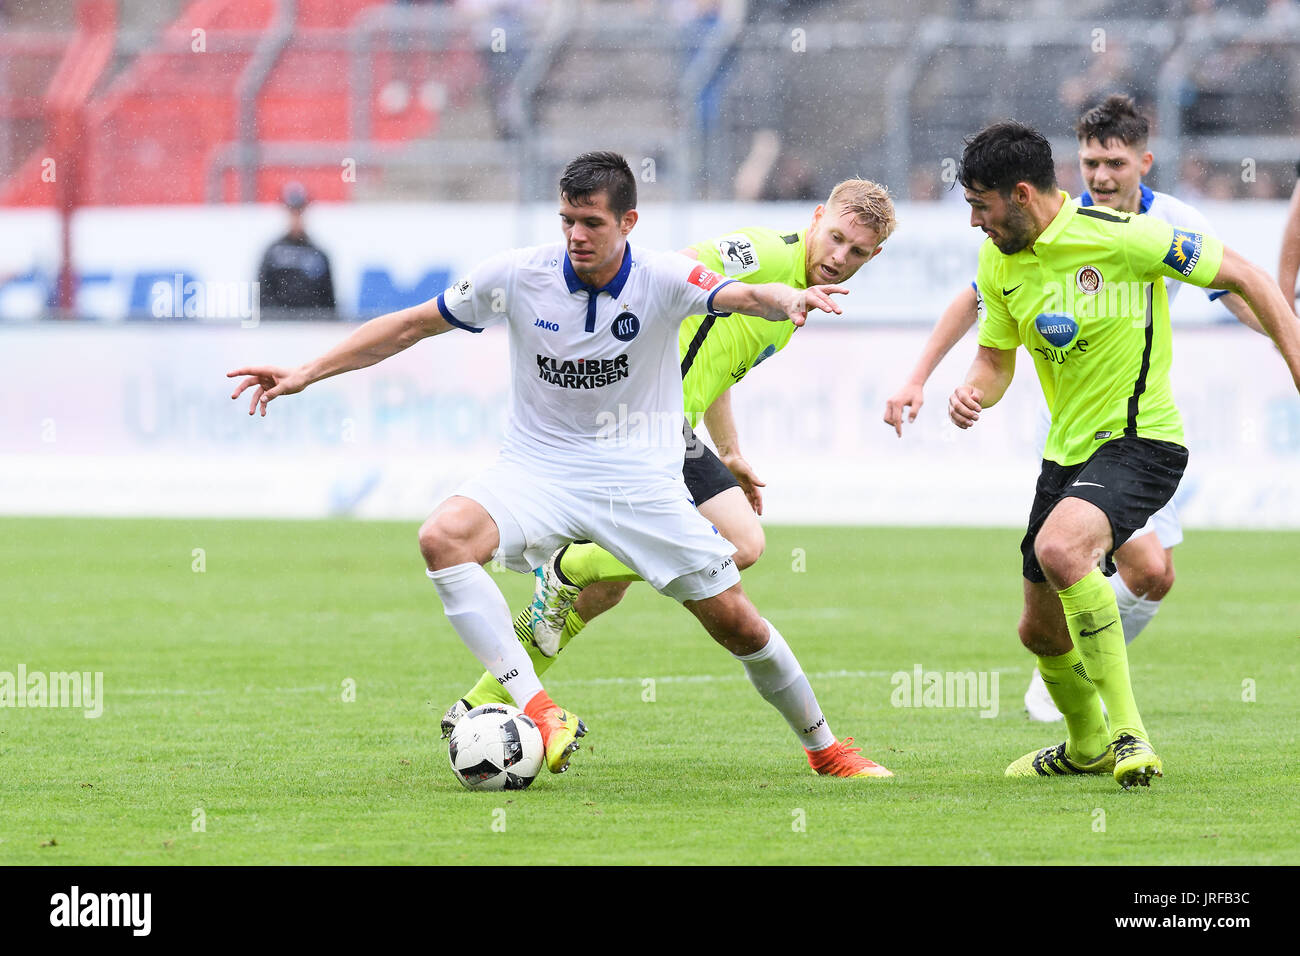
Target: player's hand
[
  {"x": 909, "y": 396},
  {"x": 806, "y": 300},
  {"x": 271, "y": 382},
  {"x": 749, "y": 481},
  {"x": 964, "y": 407}
]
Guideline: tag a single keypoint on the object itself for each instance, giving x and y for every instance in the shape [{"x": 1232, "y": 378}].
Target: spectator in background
[
  {"x": 519, "y": 22},
  {"x": 1221, "y": 187},
  {"x": 295, "y": 273},
  {"x": 1265, "y": 186},
  {"x": 1282, "y": 13},
  {"x": 1193, "y": 178},
  {"x": 1108, "y": 70}
]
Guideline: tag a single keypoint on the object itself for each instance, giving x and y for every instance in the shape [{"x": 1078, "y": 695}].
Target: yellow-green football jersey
[
  {"x": 1088, "y": 303},
  {"x": 718, "y": 352}
]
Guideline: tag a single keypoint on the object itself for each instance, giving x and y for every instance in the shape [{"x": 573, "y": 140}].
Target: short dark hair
[
  {"x": 1115, "y": 118},
  {"x": 1001, "y": 155},
  {"x": 600, "y": 171}
]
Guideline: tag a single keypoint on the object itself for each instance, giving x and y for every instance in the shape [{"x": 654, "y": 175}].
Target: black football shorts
[
  {"x": 703, "y": 471},
  {"x": 1128, "y": 478}
]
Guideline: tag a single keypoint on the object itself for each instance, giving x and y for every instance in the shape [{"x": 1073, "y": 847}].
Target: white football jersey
[{"x": 596, "y": 383}]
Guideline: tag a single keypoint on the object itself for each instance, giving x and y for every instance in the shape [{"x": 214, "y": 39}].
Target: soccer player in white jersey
[
  {"x": 593, "y": 327},
  {"x": 1113, "y": 158}
]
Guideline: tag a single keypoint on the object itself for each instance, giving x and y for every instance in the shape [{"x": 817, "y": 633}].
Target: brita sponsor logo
[{"x": 1059, "y": 328}]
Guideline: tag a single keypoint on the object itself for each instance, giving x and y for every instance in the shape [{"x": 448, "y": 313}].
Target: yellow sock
[
  {"x": 1092, "y": 615},
  {"x": 1076, "y": 698},
  {"x": 588, "y": 563},
  {"x": 489, "y": 691}
]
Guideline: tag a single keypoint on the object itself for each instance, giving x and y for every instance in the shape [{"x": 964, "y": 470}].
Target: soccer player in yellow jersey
[
  {"x": 1081, "y": 287},
  {"x": 583, "y": 580},
  {"x": 1113, "y": 158}
]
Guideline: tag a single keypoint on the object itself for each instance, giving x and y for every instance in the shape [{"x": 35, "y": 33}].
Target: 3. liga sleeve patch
[
  {"x": 703, "y": 278},
  {"x": 737, "y": 254},
  {"x": 459, "y": 294},
  {"x": 1184, "y": 252}
]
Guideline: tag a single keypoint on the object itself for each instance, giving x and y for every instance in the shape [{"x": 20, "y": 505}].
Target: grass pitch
[{"x": 229, "y": 652}]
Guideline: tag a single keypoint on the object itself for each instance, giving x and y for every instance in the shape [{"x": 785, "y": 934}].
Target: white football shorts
[
  {"x": 649, "y": 524},
  {"x": 1166, "y": 525}
]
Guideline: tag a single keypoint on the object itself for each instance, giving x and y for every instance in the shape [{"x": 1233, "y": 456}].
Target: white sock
[
  {"x": 1135, "y": 613},
  {"x": 478, "y": 611},
  {"x": 1138, "y": 618},
  {"x": 777, "y": 676}
]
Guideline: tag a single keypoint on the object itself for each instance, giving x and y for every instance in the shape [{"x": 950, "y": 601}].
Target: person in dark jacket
[{"x": 295, "y": 273}]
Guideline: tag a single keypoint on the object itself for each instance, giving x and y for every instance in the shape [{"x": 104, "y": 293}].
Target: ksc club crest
[
  {"x": 625, "y": 327},
  {"x": 1089, "y": 280}
]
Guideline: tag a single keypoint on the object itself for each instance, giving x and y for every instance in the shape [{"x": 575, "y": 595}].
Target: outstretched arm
[
  {"x": 1289, "y": 262},
  {"x": 777, "y": 302},
  {"x": 722, "y": 429},
  {"x": 373, "y": 342},
  {"x": 1265, "y": 299},
  {"x": 1234, "y": 304},
  {"x": 954, "y": 323},
  {"x": 985, "y": 384}
]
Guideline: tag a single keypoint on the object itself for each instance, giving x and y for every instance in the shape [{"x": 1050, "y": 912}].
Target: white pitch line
[
  {"x": 710, "y": 678},
  {"x": 581, "y": 681},
  {"x": 214, "y": 691}
]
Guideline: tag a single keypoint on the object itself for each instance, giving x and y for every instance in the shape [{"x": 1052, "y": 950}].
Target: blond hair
[{"x": 868, "y": 202}]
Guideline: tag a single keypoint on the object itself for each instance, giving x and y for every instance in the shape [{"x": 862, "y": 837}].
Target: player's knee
[
  {"x": 1161, "y": 583},
  {"x": 1057, "y": 557},
  {"x": 749, "y": 547},
  {"x": 1035, "y": 639},
  {"x": 746, "y": 636},
  {"x": 443, "y": 542},
  {"x": 1152, "y": 578},
  {"x": 432, "y": 542}
]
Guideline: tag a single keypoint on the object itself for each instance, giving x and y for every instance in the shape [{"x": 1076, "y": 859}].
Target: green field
[{"x": 224, "y": 706}]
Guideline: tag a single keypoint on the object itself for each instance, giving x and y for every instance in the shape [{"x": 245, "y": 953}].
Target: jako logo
[
  {"x": 548, "y": 326},
  {"x": 102, "y": 909},
  {"x": 513, "y": 673}
]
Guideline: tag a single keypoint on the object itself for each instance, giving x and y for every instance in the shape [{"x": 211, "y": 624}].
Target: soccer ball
[{"x": 496, "y": 747}]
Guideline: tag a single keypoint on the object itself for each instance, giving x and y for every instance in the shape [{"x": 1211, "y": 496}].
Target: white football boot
[
  {"x": 552, "y": 602},
  {"x": 1039, "y": 702}
]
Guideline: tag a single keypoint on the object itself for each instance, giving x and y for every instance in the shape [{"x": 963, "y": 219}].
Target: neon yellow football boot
[
  {"x": 560, "y": 730},
  {"x": 1055, "y": 762},
  {"x": 1135, "y": 762}
]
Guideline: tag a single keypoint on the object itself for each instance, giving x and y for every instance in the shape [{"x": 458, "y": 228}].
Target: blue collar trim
[
  {"x": 1148, "y": 197},
  {"x": 614, "y": 286}
]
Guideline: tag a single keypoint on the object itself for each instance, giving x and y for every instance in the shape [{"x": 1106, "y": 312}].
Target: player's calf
[{"x": 732, "y": 620}]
